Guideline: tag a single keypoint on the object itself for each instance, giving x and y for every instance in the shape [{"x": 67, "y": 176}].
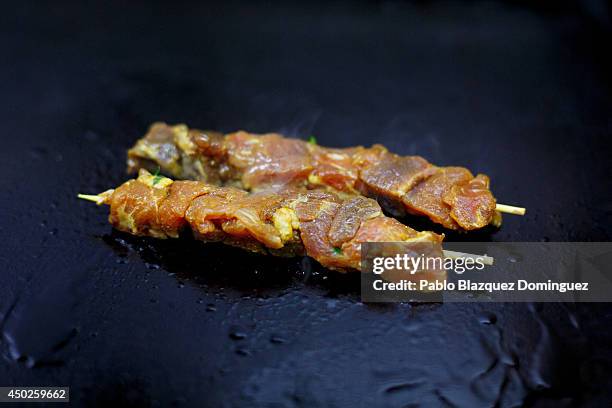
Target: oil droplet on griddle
[
  {"x": 276, "y": 339},
  {"x": 241, "y": 351},
  {"x": 487, "y": 318},
  {"x": 237, "y": 334}
]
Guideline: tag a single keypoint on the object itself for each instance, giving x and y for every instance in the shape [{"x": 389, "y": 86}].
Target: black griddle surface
[{"x": 520, "y": 94}]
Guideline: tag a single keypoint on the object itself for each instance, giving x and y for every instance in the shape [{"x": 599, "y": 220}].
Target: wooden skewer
[
  {"x": 90, "y": 197},
  {"x": 487, "y": 260},
  {"x": 96, "y": 198},
  {"x": 99, "y": 199},
  {"x": 509, "y": 209}
]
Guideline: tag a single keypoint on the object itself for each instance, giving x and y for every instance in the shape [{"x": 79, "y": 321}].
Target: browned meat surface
[
  {"x": 317, "y": 223},
  {"x": 267, "y": 160},
  {"x": 428, "y": 196},
  {"x": 471, "y": 201},
  {"x": 351, "y": 214},
  {"x": 394, "y": 176},
  {"x": 450, "y": 196}
]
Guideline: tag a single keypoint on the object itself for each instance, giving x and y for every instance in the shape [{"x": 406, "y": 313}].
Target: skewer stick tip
[
  {"x": 510, "y": 209},
  {"x": 96, "y": 198},
  {"x": 487, "y": 260},
  {"x": 89, "y": 197}
]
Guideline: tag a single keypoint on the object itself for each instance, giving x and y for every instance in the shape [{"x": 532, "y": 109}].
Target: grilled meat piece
[
  {"x": 450, "y": 196},
  {"x": 316, "y": 223}
]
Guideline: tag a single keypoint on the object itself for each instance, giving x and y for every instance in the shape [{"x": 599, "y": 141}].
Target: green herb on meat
[{"x": 156, "y": 176}]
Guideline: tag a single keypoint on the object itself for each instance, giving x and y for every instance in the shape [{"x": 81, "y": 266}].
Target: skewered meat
[
  {"x": 450, "y": 196},
  {"x": 316, "y": 223}
]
